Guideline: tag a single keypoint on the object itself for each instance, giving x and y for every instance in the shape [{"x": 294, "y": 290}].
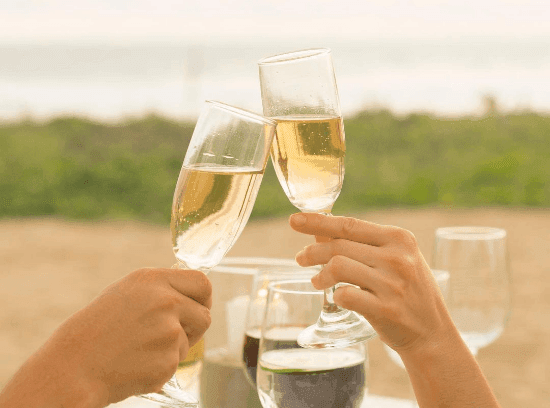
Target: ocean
[{"x": 114, "y": 81}]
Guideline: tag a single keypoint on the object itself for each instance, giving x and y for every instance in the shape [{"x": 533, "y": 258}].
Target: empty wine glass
[
  {"x": 216, "y": 190},
  {"x": 299, "y": 91},
  {"x": 292, "y": 376},
  {"x": 477, "y": 260}
]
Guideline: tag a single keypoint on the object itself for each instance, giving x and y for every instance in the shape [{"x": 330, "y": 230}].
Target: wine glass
[
  {"x": 292, "y": 376},
  {"x": 477, "y": 260},
  {"x": 265, "y": 275},
  {"x": 299, "y": 91},
  {"x": 215, "y": 193}
]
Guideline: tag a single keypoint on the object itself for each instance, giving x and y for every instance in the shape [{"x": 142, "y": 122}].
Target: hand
[
  {"x": 127, "y": 341},
  {"x": 396, "y": 291}
]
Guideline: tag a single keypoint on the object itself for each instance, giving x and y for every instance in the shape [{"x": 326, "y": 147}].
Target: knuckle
[
  {"x": 398, "y": 289},
  {"x": 205, "y": 320},
  {"x": 349, "y": 225},
  {"x": 308, "y": 253},
  {"x": 335, "y": 265},
  {"x": 399, "y": 261},
  {"x": 338, "y": 261},
  {"x": 146, "y": 276},
  {"x": 200, "y": 323},
  {"x": 140, "y": 273},
  {"x": 408, "y": 262},
  {"x": 336, "y": 247},
  {"x": 392, "y": 258},
  {"x": 171, "y": 301},
  {"x": 343, "y": 296},
  {"x": 404, "y": 236},
  {"x": 389, "y": 312},
  {"x": 173, "y": 331},
  {"x": 172, "y": 364},
  {"x": 204, "y": 284}
]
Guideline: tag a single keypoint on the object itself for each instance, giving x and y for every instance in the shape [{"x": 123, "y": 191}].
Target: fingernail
[{"x": 298, "y": 219}]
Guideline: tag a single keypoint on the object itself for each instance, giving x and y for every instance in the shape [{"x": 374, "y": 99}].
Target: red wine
[
  {"x": 305, "y": 378},
  {"x": 280, "y": 338}
]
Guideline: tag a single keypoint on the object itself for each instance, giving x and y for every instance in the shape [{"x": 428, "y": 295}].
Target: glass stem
[{"x": 329, "y": 307}]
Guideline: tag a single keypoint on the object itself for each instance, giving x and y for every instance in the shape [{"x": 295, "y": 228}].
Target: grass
[{"x": 80, "y": 169}]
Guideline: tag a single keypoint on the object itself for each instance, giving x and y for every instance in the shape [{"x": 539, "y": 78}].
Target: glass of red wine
[
  {"x": 289, "y": 375},
  {"x": 265, "y": 275}
]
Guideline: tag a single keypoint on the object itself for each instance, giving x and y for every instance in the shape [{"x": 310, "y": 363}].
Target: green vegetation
[{"x": 77, "y": 168}]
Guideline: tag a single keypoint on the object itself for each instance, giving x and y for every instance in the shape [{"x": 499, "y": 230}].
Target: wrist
[{"x": 446, "y": 340}]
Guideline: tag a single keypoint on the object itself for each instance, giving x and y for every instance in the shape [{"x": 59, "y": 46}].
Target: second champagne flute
[
  {"x": 216, "y": 190},
  {"x": 299, "y": 91}
]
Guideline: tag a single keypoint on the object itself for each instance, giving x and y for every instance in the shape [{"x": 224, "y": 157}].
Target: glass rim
[
  {"x": 470, "y": 233},
  {"x": 276, "y": 287},
  {"x": 261, "y": 261},
  {"x": 293, "y": 56},
  {"x": 243, "y": 113}
]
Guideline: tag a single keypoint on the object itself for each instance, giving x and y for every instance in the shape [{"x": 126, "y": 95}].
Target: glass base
[
  {"x": 335, "y": 330},
  {"x": 171, "y": 396}
]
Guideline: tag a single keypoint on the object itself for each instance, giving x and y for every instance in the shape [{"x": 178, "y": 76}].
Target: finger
[
  {"x": 184, "y": 346},
  {"x": 322, "y": 252},
  {"x": 342, "y": 269},
  {"x": 191, "y": 283},
  {"x": 341, "y": 227},
  {"x": 194, "y": 318},
  {"x": 361, "y": 301}
]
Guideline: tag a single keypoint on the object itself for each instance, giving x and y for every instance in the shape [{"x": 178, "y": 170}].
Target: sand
[{"x": 49, "y": 268}]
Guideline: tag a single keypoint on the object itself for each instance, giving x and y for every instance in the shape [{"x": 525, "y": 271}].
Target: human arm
[
  {"x": 398, "y": 295},
  {"x": 129, "y": 340}
]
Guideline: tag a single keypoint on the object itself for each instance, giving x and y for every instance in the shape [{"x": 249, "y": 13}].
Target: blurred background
[{"x": 446, "y": 108}]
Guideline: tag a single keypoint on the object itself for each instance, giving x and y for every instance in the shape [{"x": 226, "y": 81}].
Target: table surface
[{"x": 371, "y": 401}]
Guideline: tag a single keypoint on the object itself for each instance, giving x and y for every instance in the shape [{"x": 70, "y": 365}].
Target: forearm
[
  {"x": 446, "y": 374},
  {"x": 47, "y": 381}
]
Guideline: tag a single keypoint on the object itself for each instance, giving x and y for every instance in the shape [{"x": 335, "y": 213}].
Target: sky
[
  {"x": 439, "y": 55},
  {"x": 246, "y": 20}
]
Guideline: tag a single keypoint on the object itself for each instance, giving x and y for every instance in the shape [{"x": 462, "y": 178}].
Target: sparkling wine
[
  {"x": 188, "y": 371},
  {"x": 312, "y": 378},
  {"x": 308, "y": 156},
  {"x": 210, "y": 209},
  {"x": 280, "y": 338}
]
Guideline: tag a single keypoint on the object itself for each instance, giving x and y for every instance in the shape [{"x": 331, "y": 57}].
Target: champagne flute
[
  {"x": 214, "y": 196},
  {"x": 299, "y": 91},
  {"x": 477, "y": 260},
  {"x": 291, "y": 376}
]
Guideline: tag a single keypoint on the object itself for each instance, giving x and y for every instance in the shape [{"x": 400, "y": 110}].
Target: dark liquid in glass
[
  {"x": 288, "y": 340},
  {"x": 341, "y": 384}
]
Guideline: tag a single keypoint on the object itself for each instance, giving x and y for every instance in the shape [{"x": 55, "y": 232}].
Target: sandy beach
[{"x": 50, "y": 268}]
